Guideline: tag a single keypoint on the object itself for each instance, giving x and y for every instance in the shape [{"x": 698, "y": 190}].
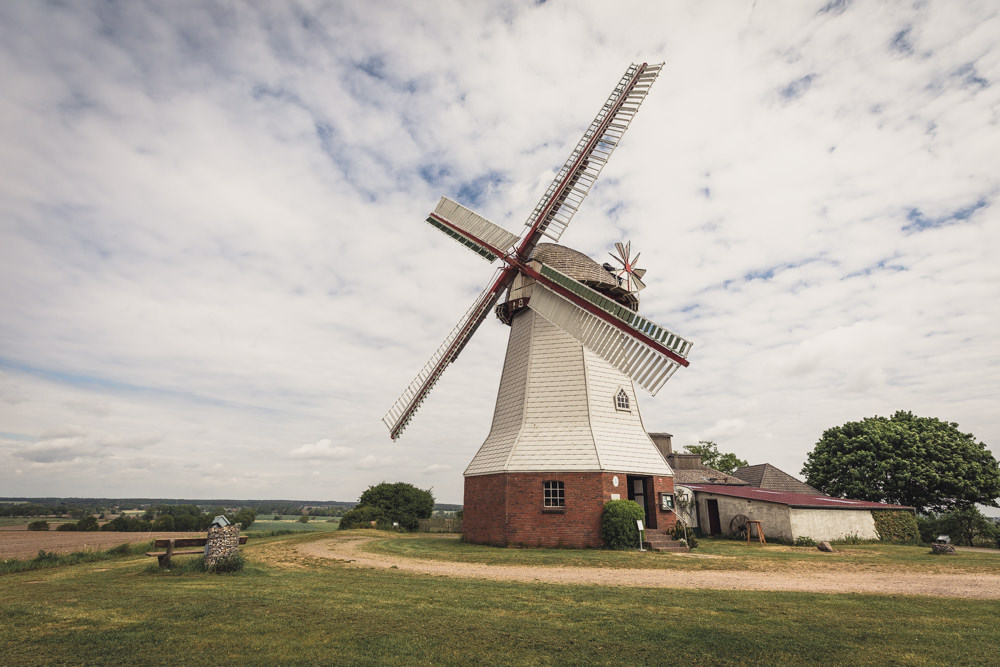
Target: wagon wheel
[{"x": 738, "y": 526}]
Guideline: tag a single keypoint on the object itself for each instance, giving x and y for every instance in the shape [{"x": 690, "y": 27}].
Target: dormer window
[{"x": 621, "y": 401}]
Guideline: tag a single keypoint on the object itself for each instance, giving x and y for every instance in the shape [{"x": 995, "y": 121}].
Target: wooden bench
[{"x": 171, "y": 544}]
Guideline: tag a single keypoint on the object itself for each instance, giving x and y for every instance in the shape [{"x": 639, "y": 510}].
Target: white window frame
[
  {"x": 553, "y": 494},
  {"x": 622, "y": 401}
]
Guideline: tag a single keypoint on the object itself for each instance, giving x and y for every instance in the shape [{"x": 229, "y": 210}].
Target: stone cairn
[
  {"x": 222, "y": 541},
  {"x": 943, "y": 549}
]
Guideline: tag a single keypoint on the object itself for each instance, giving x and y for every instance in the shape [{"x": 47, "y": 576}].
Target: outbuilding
[{"x": 723, "y": 510}]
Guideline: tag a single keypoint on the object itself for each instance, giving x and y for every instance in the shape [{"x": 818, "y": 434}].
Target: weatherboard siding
[
  {"x": 508, "y": 415},
  {"x": 556, "y": 410},
  {"x": 620, "y": 436},
  {"x": 556, "y": 432}
]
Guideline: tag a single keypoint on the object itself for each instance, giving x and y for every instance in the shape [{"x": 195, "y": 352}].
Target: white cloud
[
  {"x": 321, "y": 449},
  {"x": 211, "y": 231}
]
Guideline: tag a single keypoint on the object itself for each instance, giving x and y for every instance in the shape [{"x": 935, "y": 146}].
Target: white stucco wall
[
  {"x": 774, "y": 518},
  {"x": 787, "y": 523},
  {"x": 832, "y": 524}
]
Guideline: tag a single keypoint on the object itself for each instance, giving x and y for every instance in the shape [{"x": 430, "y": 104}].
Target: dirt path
[{"x": 983, "y": 586}]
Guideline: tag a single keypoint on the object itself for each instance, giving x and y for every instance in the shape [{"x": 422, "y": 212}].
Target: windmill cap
[{"x": 581, "y": 268}]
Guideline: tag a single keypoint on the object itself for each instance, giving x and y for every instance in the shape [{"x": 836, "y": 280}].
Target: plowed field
[{"x": 26, "y": 543}]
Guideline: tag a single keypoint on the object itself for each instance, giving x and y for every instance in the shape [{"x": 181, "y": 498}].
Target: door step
[{"x": 656, "y": 541}]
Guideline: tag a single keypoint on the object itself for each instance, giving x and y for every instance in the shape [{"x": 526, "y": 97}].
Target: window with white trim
[
  {"x": 554, "y": 493},
  {"x": 621, "y": 400}
]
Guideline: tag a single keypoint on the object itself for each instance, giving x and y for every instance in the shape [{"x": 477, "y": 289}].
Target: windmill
[{"x": 560, "y": 304}]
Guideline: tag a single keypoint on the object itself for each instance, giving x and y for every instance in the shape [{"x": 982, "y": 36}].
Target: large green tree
[
  {"x": 922, "y": 462},
  {"x": 400, "y": 502},
  {"x": 725, "y": 462}
]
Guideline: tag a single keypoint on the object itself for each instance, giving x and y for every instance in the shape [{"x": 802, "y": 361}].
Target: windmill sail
[
  {"x": 648, "y": 352},
  {"x": 406, "y": 405},
  {"x": 472, "y": 230},
  {"x": 644, "y": 351},
  {"x": 574, "y": 180}
]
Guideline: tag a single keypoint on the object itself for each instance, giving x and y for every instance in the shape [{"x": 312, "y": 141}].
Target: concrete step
[{"x": 656, "y": 541}]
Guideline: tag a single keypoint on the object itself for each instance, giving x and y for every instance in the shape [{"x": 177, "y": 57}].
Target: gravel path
[{"x": 983, "y": 586}]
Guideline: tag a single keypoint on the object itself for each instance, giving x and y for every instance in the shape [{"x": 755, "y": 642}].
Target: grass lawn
[
  {"x": 289, "y": 609},
  {"x": 712, "y": 554},
  {"x": 267, "y": 525}
]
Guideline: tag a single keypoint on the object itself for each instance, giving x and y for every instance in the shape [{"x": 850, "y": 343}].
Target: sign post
[{"x": 638, "y": 522}]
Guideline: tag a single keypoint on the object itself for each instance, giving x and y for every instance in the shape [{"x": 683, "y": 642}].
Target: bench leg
[{"x": 165, "y": 558}]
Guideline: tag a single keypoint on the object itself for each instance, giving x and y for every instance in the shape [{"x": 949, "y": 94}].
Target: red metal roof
[{"x": 793, "y": 499}]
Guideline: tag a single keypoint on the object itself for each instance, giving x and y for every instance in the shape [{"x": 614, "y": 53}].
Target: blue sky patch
[
  {"x": 797, "y": 88},
  {"x": 901, "y": 42},
  {"x": 471, "y": 193},
  {"x": 918, "y": 222},
  {"x": 835, "y": 7}
]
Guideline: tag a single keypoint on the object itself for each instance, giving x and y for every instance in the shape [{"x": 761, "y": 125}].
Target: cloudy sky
[{"x": 215, "y": 277}]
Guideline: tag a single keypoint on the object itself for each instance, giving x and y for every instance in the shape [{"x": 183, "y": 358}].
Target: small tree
[
  {"x": 164, "y": 522},
  {"x": 245, "y": 517},
  {"x": 399, "y": 503},
  {"x": 304, "y": 518},
  {"x": 41, "y": 524},
  {"x": 87, "y": 523},
  {"x": 726, "y": 462},
  {"x": 618, "y": 524},
  {"x": 964, "y": 526}
]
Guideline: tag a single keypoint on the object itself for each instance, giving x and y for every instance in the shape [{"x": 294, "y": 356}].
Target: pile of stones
[{"x": 222, "y": 541}]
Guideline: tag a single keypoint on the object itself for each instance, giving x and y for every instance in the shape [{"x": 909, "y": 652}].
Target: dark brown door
[
  {"x": 713, "y": 516},
  {"x": 637, "y": 492}
]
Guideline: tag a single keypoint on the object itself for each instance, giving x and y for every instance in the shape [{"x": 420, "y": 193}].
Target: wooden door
[{"x": 713, "y": 516}]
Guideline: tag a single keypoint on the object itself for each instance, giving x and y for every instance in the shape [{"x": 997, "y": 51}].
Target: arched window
[{"x": 621, "y": 400}]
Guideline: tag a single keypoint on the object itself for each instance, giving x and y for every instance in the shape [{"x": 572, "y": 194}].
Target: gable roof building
[
  {"x": 688, "y": 468},
  {"x": 722, "y": 509},
  {"x": 766, "y": 476}
]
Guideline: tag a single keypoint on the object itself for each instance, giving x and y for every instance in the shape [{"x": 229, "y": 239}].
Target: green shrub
[
  {"x": 304, "y": 518},
  {"x": 683, "y": 532},
  {"x": 896, "y": 526},
  {"x": 804, "y": 541},
  {"x": 231, "y": 563},
  {"x": 618, "y": 524},
  {"x": 362, "y": 517},
  {"x": 41, "y": 524}
]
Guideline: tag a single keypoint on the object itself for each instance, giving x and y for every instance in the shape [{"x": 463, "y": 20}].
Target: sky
[{"x": 215, "y": 275}]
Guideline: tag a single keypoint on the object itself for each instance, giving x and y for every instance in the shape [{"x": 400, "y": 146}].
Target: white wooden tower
[{"x": 561, "y": 407}]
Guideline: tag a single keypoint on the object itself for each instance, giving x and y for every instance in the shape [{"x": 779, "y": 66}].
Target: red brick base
[{"x": 507, "y": 508}]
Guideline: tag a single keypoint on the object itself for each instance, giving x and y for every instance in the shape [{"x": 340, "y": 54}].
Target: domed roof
[
  {"x": 579, "y": 267},
  {"x": 574, "y": 264}
]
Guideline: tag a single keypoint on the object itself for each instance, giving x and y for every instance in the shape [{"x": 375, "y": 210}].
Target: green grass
[
  {"x": 9, "y": 521},
  {"x": 712, "y": 554},
  {"x": 268, "y": 526},
  {"x": 321, "y": 612}
]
